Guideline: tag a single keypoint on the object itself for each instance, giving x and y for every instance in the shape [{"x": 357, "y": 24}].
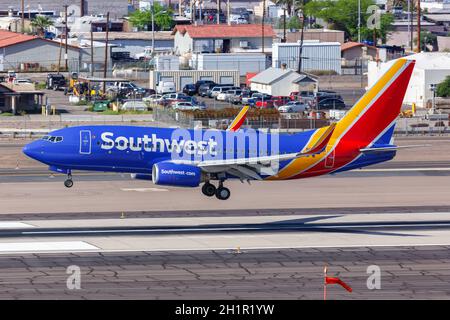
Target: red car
[
  {"x": 264, "y": 104},
  {"x": 294, "y": 95},
  {"x": 280, "y": 100}
]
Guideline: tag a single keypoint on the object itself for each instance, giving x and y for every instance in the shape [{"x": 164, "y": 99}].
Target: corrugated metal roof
[{"x": 271, "y": 75}]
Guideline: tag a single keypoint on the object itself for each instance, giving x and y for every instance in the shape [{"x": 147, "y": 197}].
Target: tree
[
  {"x": 143, "y": 18},
  {"x": 443, "y": 88},
  {"x": 40, "y": 23},
  {"x": 343, "y": 15}
]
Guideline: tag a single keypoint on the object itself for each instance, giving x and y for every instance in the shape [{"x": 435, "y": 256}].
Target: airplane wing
[
  {"x": 239, "y": 120},
  {"x": 248, "y": 168},
  {"x": 390, "y": 148}
]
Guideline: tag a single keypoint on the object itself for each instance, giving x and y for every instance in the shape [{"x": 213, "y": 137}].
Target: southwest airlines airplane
[{"x": 188, "y": 158}]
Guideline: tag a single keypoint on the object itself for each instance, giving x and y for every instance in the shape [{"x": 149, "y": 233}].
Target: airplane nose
[{"x": 33, "y": 150}]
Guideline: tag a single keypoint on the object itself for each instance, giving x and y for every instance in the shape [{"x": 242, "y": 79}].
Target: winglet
[
  {"x": 239, "y": 120},
  {"x": 321, "y": 143}
]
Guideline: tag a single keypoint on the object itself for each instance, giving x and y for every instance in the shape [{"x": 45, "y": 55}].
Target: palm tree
[{"x": 40, "y": 23}]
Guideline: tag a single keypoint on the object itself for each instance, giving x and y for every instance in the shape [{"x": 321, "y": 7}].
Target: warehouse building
[
  {"x": 30, "y": 53},
  {"x": 316, "y": 56}
]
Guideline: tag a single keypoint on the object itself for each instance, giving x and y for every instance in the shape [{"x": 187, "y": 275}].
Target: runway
[
  {"x": 270, "y": 240},
  {"x": 406, "y": 273}
]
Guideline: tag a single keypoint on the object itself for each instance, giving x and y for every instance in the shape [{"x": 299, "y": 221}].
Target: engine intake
[{"x": 179, "y": 175}]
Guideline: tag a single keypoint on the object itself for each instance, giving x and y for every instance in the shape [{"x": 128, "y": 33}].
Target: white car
[
  {"x": 182, "y": 105},
  {"x": 293, "y": 106},
  {"x": 225, "y": 96},
  {"x": 154, "y": 98},
  {"x": 134, "y": 105}
]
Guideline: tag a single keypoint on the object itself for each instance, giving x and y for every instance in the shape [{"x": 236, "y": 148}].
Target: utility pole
[
  {"x": 106, "y": 51},
  {"x": 92, "y": 53},
  {"x": 228, "y": 12},
  {"x": 411, "y": 15},
  {"x": 418, "y": 26},
  {"x": 359, "y": 21},
  {"x": 218, "y": 11},
  {"x": 23, "y": 16},
  {"x": 301, "y": 39},
  {"x": 65, "y": 38},
  {"x": 262, "y": 26},
  {"x": 284, "y": 25}
]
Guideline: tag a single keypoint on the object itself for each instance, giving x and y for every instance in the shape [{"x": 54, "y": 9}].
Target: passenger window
[
  {"x": 59, "y": 139},
  {"x": 52, "y": 139}
]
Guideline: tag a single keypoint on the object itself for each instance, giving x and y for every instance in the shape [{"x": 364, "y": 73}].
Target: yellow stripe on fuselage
[{"x": 303, "y": 163}]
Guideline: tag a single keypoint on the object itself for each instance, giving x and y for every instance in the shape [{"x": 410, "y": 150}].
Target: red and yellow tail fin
[
  {"x": 378, "y": 108},
  {"x": 239, "y": 120}
]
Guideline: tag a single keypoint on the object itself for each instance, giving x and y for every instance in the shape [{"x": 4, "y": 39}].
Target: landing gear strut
[
  {"x": 222, "y": 193},
  {"x": 69, "y": 182}
]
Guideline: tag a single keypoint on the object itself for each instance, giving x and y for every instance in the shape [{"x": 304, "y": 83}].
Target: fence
[{"x": 183, "y": 119}]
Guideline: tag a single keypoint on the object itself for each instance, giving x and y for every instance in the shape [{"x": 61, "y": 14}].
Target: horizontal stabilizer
[{"x": 390, "y": 148}]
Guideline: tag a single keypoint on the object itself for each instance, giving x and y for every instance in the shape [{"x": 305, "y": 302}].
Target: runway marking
[
  {"x": 144, "y": 189},
  {"x": 232, "y": 249},
  {"x": 15, "y": 225},
  {"x": 8, "y": 247}
]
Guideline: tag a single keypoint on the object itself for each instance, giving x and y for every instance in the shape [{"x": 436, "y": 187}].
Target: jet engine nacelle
[{"x": 178, "y": 175}]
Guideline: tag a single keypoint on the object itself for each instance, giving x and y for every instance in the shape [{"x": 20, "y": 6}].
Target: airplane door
[
  {"x": 329, "y": 160},
  {"x": 85, "y": 142}
]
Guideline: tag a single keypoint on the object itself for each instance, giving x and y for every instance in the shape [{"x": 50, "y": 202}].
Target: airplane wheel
[
  {"x": 68, "y": 183},
  {"x": 209, "y": 189},
  {"x": 223, "y": 193}
]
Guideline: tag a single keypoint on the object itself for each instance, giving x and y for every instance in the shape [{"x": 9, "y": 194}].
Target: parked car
[
  {"x": 190, "y": 89},
  {"x": 164, "y": 87},
  {"x": 204, "y": 88},
  {"x": 172, "y": 98},
  {"x": 153, "y": 98},
  {"x": 225, "y": 96},
  {"x": 293, "y": 106},
  {"x": 264, "y": 103},
  {"x": 184, "y": 105},
  {"x": 280, "y": 100},
  {"x": 246, "y": 95},
  {"x": 135, "y": 105},
  {"x": 331, "y": 103},
  {"x": 200, "y": 83},
  {"x": 218, "y": 89},
  {"x": 55, "y": 81},
  {"x": 22, "y": 80}
]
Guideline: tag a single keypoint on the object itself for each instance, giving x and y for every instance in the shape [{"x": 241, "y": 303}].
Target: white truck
[{"x": 164, "y": 87}]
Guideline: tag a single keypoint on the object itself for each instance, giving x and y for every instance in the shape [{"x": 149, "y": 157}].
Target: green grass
[{"x": 6, "y": 114}]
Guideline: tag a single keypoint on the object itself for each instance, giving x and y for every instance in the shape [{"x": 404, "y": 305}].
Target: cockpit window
[{"x": 54, "y": 139}]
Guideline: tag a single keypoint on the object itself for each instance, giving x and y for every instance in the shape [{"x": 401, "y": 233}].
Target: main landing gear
[
  {"x": 221, "y": 192},
  {"x": 68, "y": 183}
]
